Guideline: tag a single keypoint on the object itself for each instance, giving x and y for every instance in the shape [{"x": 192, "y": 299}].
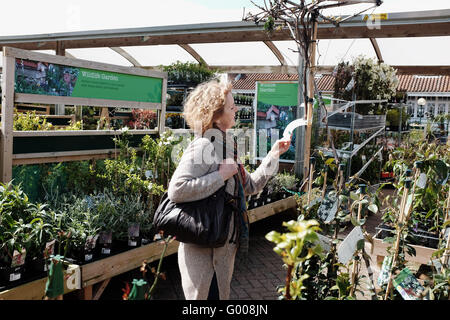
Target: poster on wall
[
  {"x": 36, "y": 77},
  {"x": 276, "y": 107}
]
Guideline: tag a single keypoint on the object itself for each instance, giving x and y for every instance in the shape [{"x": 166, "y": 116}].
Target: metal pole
[
  {"x": 352, "y": 129},
  {"x": 300, "y": 131}
]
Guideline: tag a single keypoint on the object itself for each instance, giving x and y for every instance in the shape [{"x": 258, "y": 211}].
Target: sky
[{"x": 53, "y": 16}]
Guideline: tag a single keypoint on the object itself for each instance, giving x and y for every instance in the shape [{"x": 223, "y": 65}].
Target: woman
[{"x": 207, "y": 272}]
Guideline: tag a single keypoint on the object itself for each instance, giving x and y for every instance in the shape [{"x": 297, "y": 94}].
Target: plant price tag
[
  {"x": 14, "y": 276},
  {"x": 73, "y": 281},
  {"x": 348, "y": 247},
  {"x": 385, "y": 269},
  {"x": 422, "y": 181}
]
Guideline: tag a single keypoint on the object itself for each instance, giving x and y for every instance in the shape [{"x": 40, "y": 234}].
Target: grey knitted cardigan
[{"x": 196, "y": 178}]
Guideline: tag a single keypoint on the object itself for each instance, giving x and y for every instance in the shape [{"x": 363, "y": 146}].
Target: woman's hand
[
  {"x": 228, "y": 168},
  {"x": 280, "y": 146}
]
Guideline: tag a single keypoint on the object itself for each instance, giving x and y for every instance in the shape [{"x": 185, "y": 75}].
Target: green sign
[
  {"x": 276, "y": 93},
  {"x": 276, "y": 107},
  {"x": 44, "y": 78}
]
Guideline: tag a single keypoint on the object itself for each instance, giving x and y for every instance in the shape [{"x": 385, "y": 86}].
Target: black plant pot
[
  {"x": 427, "y": 239},
  {"x": 385, "y": 230},
  {"x": 10, "y": 276},
  {"x": 82, "y": 256},
  {"x": 134, "y": 242},
  {"x": 105, "y": 250},
  {"x": 120, "y": 246},
  {"x": 36, "y": 267}
]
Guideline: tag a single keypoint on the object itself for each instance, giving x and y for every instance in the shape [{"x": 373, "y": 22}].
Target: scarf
[{"x": 241, "y": 221}]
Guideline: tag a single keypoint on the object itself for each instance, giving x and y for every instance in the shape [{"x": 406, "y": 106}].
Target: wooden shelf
[{"x": 272, "y": 208}]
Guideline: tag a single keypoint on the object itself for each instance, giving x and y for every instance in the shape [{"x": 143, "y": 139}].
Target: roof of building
[{"x": 325, "y": 82}]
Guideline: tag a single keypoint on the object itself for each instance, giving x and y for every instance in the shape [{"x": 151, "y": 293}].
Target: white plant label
[
  {"x": 325, "y": 242},
  {"x": 407, "y": 206},
  {"x": 132, "y": 243},
  {"x": 348, "y": 247},
  {"x": 74, "y": 277},
  {"x": 14, "y": 276},
  {"x": 422, "y": 181},
  {"x": 291, "y": 126}
]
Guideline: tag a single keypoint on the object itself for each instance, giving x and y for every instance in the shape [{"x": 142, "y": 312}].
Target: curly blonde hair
[{"x": 205, "y": 104}]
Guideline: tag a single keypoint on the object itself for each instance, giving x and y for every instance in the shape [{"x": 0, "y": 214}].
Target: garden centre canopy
[{"x": 414, "y": 41}]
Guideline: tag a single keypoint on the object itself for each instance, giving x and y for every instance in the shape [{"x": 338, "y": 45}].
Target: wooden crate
[{"x": 423, "y": 254}]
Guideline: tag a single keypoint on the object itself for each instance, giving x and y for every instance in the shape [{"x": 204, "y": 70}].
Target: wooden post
[
  {"x": 446, "y": 254},
  {"x": 104, "y": 118},
  {"x": 310, "y": 94},
  {"x": 162, "y": 113},
  {"x": 60, "y": 50},
  {"x": 311, "y": 174},
  {"x": 397, "y": 242},
  {"x": 324, "y": 187},
  {"x": 7, "y": 116}
]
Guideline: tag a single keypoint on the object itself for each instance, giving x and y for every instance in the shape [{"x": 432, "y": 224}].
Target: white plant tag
[
  {"x": 132, "y": 243},
  {"x": 348, "y": 247},
  {"x": 422, "y": 181},
  {"x": 407, "y": 206},
  {"x": 14, "y": 276},
  {"x": 74, "y": 279},
  {"x": 325, "y": 242},
  {"x": 291, "y": 126}
]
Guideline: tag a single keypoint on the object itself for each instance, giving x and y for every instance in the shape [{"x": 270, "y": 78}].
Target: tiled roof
[
  {"x": 424, "y": 83},
  {"x": 325, "y": 82}
]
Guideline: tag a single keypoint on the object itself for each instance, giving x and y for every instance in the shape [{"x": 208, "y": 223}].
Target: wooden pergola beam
[
  {"x": 398, "y": 25},
  {"x": 193, "y": 53},
  {"x": 418, "y": 30},
  {"x": 126, "y": 55},
  {"x": 377, "y": 49},
  {"x": 276, "y": 52}
]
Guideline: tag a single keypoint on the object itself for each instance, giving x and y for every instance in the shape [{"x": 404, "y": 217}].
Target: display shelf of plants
[
  {"x": 325, "y": 249},
  {"x": 84, "y": 211}
]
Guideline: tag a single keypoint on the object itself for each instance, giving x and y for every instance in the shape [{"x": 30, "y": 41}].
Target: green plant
[
  {"x": 373, "y": 81},
  {"x": 188, "y": 73},
  {"x": 426, "y": 210},
  {"x": 21, "y": 224},
  {"x": 393, "y": 117},
  {"x": 296, "y": 247},
  {"x": 29, "y": 121}
]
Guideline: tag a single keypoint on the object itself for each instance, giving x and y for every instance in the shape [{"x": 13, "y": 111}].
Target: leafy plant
[
  {"x": 188, "y": 73},
  {"x": 29, "y": 121},
  {"x": 373, "y": 81},
  {"x": 296, "y": 247}
]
